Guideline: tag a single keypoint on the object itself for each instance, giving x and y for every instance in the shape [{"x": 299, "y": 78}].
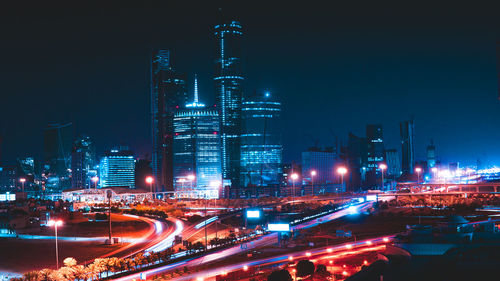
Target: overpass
[{"x": 455, "y": 188}]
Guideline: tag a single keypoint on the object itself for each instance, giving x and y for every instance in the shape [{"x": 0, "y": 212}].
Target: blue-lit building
[
  {"x": 197, "y": 150},
  {"x": 375, "y": 154},
  {"x": 407, "y": 130},
  {"x": 229, "y": 92},
  {"x": 261, "y": 146},
  {"x": 168, "y": 93},
  {"x": 117, "y": 168}
]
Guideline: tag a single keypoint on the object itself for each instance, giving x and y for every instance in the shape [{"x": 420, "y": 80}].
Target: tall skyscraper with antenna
[
  {"x": 229, "y": 90},
  {"x": 168, "y": 93},
  {"x": 197, "y": 153}
]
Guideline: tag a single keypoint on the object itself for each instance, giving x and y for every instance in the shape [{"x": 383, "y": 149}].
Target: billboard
[
  {"x": 253, "y": 214},
  {"x": 278, "y": 227}
]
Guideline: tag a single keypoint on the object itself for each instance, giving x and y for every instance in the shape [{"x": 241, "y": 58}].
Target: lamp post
[
  {"x": 22, "y": 180},
  {"x": 418, "y": 170},
  {"x": 313, "y": 174},
  {"x": 56, "y": 224},
  {"x": 342, "y": 171},
  {"x": 382, "y": 167},
  {"x": 95, "y": 180},
  {"x": 294, "y": 176},
  {"x": 434, "y": 173},
  {"x": 150, "y": 180}
]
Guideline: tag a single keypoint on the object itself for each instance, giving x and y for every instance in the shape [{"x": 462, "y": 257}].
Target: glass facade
[
  {"x": 197, "y": 151},
  {"x": 228, "y": 88},
  {"x": 261, "y": 147},
  {"x": 168, "y": 92},
  {"x": 82, "y": 161},
  {"x": 117, "y": 168},
  {"x": 407, "y": 151}
]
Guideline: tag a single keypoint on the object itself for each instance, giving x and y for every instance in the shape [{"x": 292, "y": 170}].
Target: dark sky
[{"x": 336, "y": 65}]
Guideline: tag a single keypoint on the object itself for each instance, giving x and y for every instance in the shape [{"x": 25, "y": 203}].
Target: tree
[
  {"x": 69, "y": 262},
  {"x": 305, "y": 268},
  {"x": 280, "y": 275}
]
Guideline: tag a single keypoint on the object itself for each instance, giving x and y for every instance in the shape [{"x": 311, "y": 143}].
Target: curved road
[{"x": 265, "y": 240}]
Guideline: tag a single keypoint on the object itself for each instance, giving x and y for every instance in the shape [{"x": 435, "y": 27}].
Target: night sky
[{"x": 335, "y": 66}]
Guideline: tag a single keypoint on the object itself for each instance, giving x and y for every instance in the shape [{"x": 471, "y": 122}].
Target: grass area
[{"x": 122, "y": 226}]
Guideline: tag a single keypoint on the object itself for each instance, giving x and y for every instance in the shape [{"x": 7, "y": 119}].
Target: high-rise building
[
  {"x": 261, "y": 148},
  {"x": 228, "y": 88},
  {"x": 57, "y": 143},
  {"x": 407, "y": 130},
  {"x": 356, "y": 158},
  {"x": 117, "y": 168},
  {"x": 323, "y": 162},
  {"x": 197, "y": 150},
  {"x": 375, "y": 146},
  {"x": 168, "y": 93},
  {"x": 393, "y": 163},
  {"x": 431, "y": 155},
  {"x": 375, "y": 154},
  {"x": 26, "y": 165},
  {"x": 82, "y": 161},
  {"x": 8, "y": 178}
]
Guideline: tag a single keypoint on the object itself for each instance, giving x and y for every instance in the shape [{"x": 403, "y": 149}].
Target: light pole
[
  {"x": 434, "y": 172},
  {"x": 383, "y": 167},
  {"x": 313, "y": 174},
  {"x": 418, "y": 170},
  {"x": 342, "y": 171},
  {"x": 294, "y": 176},
  {"x": 95, "y": 180},
  {"x": 150, "y": 180},
  {"x": 22, "y": 180},
  {"x": 56, "y": 224}
]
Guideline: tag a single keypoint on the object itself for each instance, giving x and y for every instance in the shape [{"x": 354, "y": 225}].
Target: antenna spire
[{"x": 195, "y": 88}]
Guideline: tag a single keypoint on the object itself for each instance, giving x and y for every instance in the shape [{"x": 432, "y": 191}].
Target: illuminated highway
[
  {"x": 376, "y": 244},
  {"x": 265, "y": 240}
]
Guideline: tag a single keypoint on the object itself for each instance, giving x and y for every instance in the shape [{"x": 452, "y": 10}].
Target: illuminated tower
[
  {"x": 261, "y": 149},
  {"x": 168, "y": 92},
  {"x": 197, "y": 153},
  {"x": 407, "y": 130},
  {"x": 228, "y": 88}
]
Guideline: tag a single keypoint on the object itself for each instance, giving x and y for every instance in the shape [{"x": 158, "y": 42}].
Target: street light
[
  {"x": 294, "y": 176},
  {"x": 382, "y": 167},
  {"x": 22, "y": 180},
  {"x": 418, "y": 170},
  {"x": 95, "y": 180},
  {"x": 56, "y": 223},
  {"x": 342, "y": 171},
  {"x": 150, "y": 180},
  {"x": 313, "y": 174},
  {"x": 434, "y": 172}
]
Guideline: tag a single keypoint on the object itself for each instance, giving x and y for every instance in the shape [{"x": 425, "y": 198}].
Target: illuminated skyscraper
[
  {"x": 375, "y": 146},
  {"x": 197, "y": 151},
  {"x": 407, "y": 130},
  {"x": 228, "y": 88},
  {"x": 117, "y": 168},
  {"x": 431, "y": 155},
  {"x": 261, "y": 148},
  {"x": 168, "y": 92},
  {"x": 82, "y": 161}
]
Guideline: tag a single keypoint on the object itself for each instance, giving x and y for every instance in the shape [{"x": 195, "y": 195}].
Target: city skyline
[{"x": 357, "y": 85}]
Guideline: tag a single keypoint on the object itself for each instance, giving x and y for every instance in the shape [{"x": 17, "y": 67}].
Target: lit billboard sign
[
  {"x": 278, "y": 227},
  {"x": 7, "y": 197},
  {"x": 253, "y": 214}
]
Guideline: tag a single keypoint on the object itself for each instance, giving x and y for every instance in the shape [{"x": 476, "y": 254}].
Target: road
[
  {"x": 263, "y": 241},
  {"x": 322, "y": 253}
]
